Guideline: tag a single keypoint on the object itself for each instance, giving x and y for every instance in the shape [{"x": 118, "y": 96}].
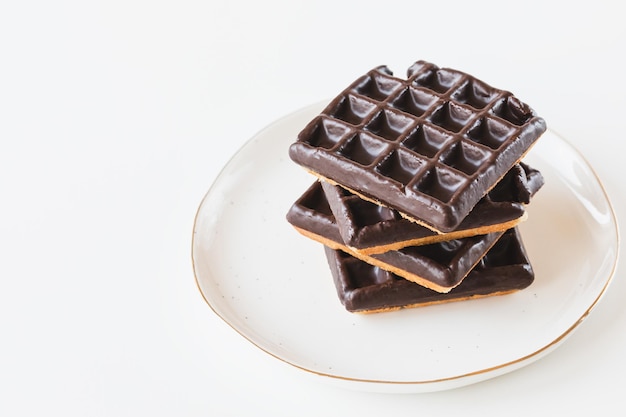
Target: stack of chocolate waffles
[{"x": 420, "y": 188}]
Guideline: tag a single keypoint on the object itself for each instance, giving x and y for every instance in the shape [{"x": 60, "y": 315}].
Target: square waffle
[
  {"x": 429, "y": 146},
  {"x": 365, "y": 288}
]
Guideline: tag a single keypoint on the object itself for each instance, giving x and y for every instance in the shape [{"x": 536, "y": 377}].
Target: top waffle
[{"x": 430, "y": 146}]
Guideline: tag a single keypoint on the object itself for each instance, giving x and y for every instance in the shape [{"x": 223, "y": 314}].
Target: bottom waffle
[{"x": 365, "y": 288}]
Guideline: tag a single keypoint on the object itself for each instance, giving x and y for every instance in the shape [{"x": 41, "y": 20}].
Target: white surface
[
  {"x": 115, "y": 118},
  {"x": 274, "y": 287}
]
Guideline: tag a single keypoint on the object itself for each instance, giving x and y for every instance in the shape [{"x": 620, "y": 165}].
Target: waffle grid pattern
[
  {"x": 427, "y": 137},
  {"x": 517, "y": 186},
  {"x": 440, "y": 265},
  {"x": 365, "y": 287},
  {"x": 506, "y": 251}
]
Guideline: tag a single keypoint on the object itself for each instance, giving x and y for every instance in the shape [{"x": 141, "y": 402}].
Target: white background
[{"x": 115, "y": 118}]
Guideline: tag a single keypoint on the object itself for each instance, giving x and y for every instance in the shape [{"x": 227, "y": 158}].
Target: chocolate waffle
[
  {"x": 429, "y": 146},
  {"x": 369, "y": 228},
  {"x": 365, "y": 288},
  {"x": 439, "y": 266}
]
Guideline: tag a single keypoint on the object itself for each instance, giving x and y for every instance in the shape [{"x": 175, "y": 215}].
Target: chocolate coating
[
  {"x": 440, "y": 266},
  {"x": 362, "y": 287},
  {"x": 371, "y": 228},
  {"x": 429, "y": 146}
]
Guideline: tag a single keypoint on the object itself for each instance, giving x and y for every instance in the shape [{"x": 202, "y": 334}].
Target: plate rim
[{"x": 378, "y": 383}]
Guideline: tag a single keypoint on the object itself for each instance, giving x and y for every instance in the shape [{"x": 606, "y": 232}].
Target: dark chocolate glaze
[
  {"x": 445, "y": 264},
  {"x": 430, "y": 146},
  {"x": 369, "y": 227},
  {"x": 362, "y": 287},
  {"x": 441, "y": 265}
]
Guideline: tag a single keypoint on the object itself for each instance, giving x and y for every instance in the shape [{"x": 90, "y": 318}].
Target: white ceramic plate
[{"x": 273, "y": 285}]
